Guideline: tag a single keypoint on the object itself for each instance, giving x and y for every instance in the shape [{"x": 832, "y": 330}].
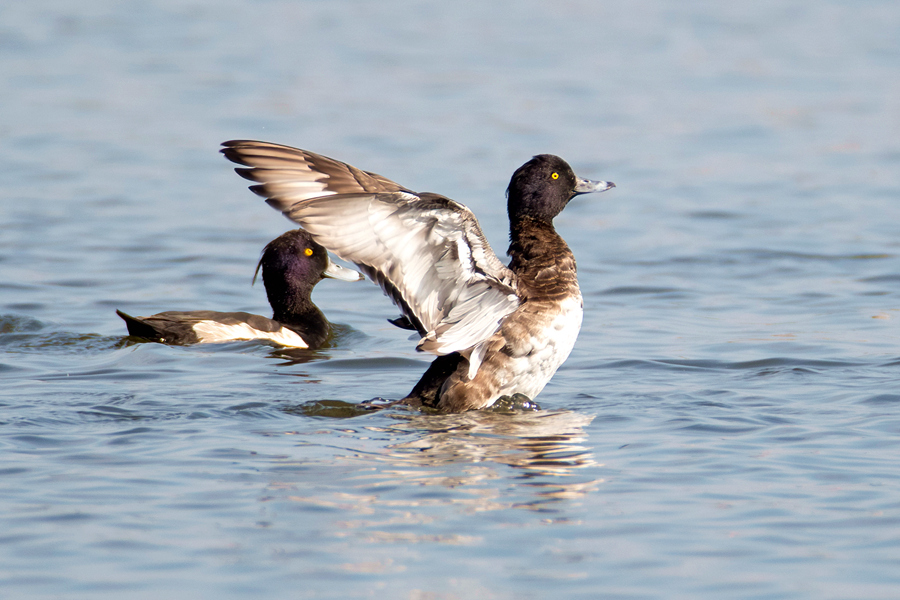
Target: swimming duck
[
  {"x": 292, "y": 264},
  {"x": 497, "y": 330}
]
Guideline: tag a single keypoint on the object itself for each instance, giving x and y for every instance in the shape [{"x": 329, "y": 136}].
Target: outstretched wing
[
  {"x": 427, "y": 252},
  {"x": 294, "y": 174}
]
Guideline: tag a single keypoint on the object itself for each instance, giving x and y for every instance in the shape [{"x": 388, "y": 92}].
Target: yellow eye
[
  {"x": 555, "y": 176},
  {"x": 308, "y": 252}
]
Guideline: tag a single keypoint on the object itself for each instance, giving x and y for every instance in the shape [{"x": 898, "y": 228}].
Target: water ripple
[{"x": 766, "y": 364}]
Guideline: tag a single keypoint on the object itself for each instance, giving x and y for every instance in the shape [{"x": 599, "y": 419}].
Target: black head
[
  {"x": 542, "y": 187},
  {"x": 293, "y": 256},
  {"x": 293, "y": 263}
]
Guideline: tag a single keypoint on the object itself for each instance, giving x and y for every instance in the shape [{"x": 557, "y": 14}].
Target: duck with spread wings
[{"x": 497, "y": 330}]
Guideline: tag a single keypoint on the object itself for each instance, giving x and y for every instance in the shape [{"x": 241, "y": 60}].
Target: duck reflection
[
  {"x": 464, "y": 458},
  {"x": 547, "y": 450},
  {"x": 342, "y": 336},
  {"x": 539, "y": 443}
]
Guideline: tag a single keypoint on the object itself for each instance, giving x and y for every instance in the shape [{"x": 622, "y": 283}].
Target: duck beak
[
  {"x": 586, "y": 186},
  {"x": 334, "y": 271}
]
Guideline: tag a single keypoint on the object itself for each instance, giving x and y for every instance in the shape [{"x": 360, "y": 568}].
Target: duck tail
[{"x": 137, "y": 327}]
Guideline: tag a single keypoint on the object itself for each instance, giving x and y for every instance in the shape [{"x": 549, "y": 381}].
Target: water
[{"x": 727, "y": 425}]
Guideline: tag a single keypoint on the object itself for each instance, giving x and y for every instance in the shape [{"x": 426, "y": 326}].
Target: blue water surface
[{"x": 728, "y": 425}]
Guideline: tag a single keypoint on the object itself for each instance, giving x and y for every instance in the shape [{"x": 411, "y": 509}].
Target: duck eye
[
  {"x": 308, "y": 252},
  {"x": 555, "y": 176}
]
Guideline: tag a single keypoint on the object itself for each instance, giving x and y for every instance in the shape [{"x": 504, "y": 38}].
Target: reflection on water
[
  {"x": 542, "y": 443},
  {"x": 342, "y": 336},
  {"x": 464, "y": 458}
]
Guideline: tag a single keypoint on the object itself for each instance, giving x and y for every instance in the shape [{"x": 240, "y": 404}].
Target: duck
[
  {"x": 292, "y": 264},
  {"x": 498, "y": 331}
]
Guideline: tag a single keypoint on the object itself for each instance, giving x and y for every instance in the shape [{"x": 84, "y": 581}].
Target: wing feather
[
  {"x": 427, "y": 252},
  {"x": 271, "y": 163}
]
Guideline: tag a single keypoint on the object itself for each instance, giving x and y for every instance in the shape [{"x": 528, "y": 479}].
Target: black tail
[{"x": 138, "y": 328}]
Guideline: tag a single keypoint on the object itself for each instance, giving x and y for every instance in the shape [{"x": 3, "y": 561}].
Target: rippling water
[{"x": 727, "y": 426}]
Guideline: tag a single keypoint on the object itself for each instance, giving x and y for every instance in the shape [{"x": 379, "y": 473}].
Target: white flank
[
  {"x": 211, "y": 331},
  {"x": 552, "y": 345}
]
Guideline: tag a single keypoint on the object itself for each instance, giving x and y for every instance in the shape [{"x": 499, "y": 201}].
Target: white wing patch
[
  {"x": 427, "y": 252},
  {"x": 213, "y": 331}
]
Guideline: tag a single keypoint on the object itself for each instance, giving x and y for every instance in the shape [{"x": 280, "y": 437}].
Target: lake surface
[{"x": 728, "y": 425}]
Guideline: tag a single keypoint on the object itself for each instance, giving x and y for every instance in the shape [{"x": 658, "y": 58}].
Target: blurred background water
[{"x": 727, "y": 425}]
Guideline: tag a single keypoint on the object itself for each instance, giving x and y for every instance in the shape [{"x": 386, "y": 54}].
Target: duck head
[
  {"x": 541, "y": 188},
  {"x": 294, "y": 261}
]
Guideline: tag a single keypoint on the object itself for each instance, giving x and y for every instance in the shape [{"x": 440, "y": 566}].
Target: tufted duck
[
  {"x": 292, "y": 264},
  {"x": 497, "y": 330}
]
